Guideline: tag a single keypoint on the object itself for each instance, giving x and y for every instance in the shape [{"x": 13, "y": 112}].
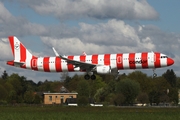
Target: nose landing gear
[{"x": 154, "y": 74}]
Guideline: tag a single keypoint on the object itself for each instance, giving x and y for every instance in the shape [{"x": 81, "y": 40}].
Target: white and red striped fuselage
[
  {"x": 102, "y": 64},
  {"x": 120, "y": 61}
]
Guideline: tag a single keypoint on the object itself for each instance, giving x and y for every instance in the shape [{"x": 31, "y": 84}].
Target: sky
[{"x": 96, "y": 27}]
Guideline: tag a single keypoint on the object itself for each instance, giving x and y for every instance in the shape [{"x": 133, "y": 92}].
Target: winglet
[
  {"x": 55, "y": 52},
  {"x": 57, "y": 55}
]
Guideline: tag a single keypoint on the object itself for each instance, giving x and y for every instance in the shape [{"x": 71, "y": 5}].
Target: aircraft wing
[{"x": 83, "y": 66}]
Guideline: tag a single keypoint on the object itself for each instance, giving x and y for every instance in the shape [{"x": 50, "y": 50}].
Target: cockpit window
[{"x": 164, "y": 57}]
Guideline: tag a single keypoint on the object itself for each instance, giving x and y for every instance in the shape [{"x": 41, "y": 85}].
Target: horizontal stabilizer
[{"x": 19, "y": 63}]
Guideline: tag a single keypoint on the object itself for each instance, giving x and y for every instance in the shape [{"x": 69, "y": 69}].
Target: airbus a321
[{"x": 90, "y": 64}]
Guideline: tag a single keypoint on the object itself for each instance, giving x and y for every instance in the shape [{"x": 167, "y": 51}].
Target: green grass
[{"x": 87, "y": 113}]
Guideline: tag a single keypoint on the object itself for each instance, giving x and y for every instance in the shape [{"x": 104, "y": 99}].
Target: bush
[{"x": 83, "y": 101}]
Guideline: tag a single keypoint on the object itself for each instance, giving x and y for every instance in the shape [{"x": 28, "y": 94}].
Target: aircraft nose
[{"x": 170, "y": 61}]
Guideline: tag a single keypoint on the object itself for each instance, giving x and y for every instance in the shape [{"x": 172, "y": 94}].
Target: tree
[
  {"x": 83, "y": 90},
  {"x": 82, "y": 101},
  {"x": 173, "y": 96},
  {"x": 37, "y": 99},
  {"x": 4, "y": 75},
  {"x": 15, "y": 81},
  {"x": 29, "y": 97},
  {"x": 142, "y": 79},
  {"x": 12, "y": 97},
  {"x": 46, "y": 86},
  {"x": 129, "y": 88},
  {"x": 170, "y": 76},
  {"x": 95, "y": 85},
  {"x": 159, "y": 88},
  {"x": 100, "y": 95},
  {"x": 63, "y": 75},
  {"x": 73, "y": 82},
  {"x": 119, "y": 99},
  {"x": 143, "y": 98},
  {"x": 3, "y": 93}
]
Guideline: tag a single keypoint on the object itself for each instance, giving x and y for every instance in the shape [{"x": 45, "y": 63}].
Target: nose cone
[{"x": 170, "y": 61}]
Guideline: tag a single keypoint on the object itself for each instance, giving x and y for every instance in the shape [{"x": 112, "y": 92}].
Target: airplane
[{"x": 90, "y": 64}]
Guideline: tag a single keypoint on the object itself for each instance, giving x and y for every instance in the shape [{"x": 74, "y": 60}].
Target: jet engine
[{"x": 103, "y": 69}]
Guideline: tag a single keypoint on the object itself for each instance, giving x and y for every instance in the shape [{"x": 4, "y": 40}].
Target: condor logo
[{"x": 138, "y": 62}]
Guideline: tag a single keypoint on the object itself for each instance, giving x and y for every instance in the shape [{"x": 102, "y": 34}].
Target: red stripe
[
  {"x": 69, "y": 65},
  {"x": 119, "y": 61},
  {"x": 94, "y": 59},
  {"x": 144, "y": 58},
  {"x": 157, "y": 62},
  {"x": 46, "y": 64},
  {"x": 58, "y": 64},
  {"x": 22, "y": 53},
  {"x": 132, "y": 64},
  {"x": 34, "y": 63},
  {"x": 82, "y": 58},
  {"x": 11, "y": 41},
  {"x": 107, "y": 59}
]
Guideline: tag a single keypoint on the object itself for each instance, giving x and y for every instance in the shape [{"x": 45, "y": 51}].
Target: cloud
[
  {"x": 110, "y": 37},
  {"x": 165, "y": 42},
  {"x": 99, "y": 9},
  {"x": 19, "y": 26},
  {"x": 5, "y": 51}
]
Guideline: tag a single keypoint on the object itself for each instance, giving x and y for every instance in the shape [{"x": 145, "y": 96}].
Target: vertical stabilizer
[{"x": 19, "y": 51}]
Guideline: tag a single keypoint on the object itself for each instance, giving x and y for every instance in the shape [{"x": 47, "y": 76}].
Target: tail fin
[{"x": 19, "y": 51}]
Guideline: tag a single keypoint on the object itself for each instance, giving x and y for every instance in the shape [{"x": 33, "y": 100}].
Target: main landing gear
[{"x": 87, "y": 77}]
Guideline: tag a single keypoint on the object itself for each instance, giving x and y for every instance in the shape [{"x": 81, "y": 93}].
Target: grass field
[{"x": 87, "y": 113}]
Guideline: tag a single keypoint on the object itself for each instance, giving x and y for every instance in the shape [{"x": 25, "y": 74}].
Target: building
[{"x": 57, "y": 98}]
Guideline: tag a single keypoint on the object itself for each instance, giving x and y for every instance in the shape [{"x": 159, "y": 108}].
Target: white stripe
[
  {"x": 113, "y": 60},
  {"x": 100, "y": 59},
  {"x": 150, "y": 62},
  {"x": 126, "y": 61},
  {"x": 40, "y": 64},
  {"x": 64, "y": 65},
  {"x": 77, "y": 58},
  {"x": 138, "y": 58},
  {"x": 88, "y": 59},
  {"x": 17, "y": 49},
  {"x": 28, "y": 63},
  {"x": 52, "y": 66},
  {"x": 163, "y": 61}
]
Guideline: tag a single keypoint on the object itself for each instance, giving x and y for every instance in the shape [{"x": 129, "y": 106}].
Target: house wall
[{"x": 57, "y": 98}]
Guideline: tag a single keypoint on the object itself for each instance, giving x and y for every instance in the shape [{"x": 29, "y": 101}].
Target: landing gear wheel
[
  {"x": 154, "y": 75},
  {"x": 87, "y": 77},
  {"x": 93, "y": 77}
]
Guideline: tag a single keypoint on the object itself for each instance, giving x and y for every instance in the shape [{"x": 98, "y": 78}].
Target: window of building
[
  {"x": 62, "y": 97},
  {"x": 70, "y": 96},
  {"x": 50, "y": 98}
]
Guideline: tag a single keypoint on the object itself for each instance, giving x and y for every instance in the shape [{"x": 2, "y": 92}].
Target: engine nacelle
[{"x": 103, "y": 69}]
